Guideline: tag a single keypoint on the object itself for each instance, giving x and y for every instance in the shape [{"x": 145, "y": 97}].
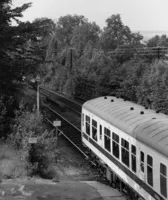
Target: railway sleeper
[{"x": 58, "y": 103}]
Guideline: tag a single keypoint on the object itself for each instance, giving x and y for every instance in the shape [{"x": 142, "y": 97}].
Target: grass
[{"x": 11, "y": 165}]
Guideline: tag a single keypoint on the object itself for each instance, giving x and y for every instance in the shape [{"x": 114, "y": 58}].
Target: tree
[
  {"x": 158, "y": 41},
  {"x": 22, "y": 49},
  {"x": 12, "y": 39},
  {"x": 44, "y": 29},
  {"x": 17, "y": 54},
  {"x": 87, "y": 33},
  {"x": 116, "y": 33},
  {"x": 153, "y": 92},
  {"x": 66, "y": 25}
]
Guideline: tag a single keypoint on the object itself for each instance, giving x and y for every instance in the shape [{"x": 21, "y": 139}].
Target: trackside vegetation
[
  {"x": 18, "y": 157},
  {"x": 89, "y": 62}
]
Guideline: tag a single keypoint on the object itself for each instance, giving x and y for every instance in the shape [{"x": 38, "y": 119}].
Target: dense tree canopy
[
  {"x": 84, "y": 34},
  {"x": 66, "y": 26},
  {"x": 90, "y": 62},
  {"x": 158, "y": 41},
  {"x": 21, "y": 52},
  {"x": 116, "y": 33}
]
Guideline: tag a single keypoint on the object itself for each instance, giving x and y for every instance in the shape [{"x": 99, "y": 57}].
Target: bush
[{"x": 36, "y": 157}]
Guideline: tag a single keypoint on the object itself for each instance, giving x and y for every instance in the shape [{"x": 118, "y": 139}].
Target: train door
[
  {"x": 142, "y": 166},
  {"x": 100, "y": 135}
]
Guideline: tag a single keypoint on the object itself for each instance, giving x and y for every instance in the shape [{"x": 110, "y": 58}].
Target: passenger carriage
[{"x": 130, "y": 143}]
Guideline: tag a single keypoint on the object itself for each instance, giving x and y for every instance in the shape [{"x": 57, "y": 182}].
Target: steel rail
[
  {"x": 64, "y": 100},
  {"x": 62, "y": 117},
  {"x": 82, "y": 152},
  {"x": 62, "y": 133},
  {"x": 60, "y": 95}
]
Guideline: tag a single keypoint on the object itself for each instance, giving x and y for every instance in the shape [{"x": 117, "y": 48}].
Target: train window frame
[
  {"x": 149, "y": 165},
  {"x": 142, "y": 162},
  {"x": 107, "y": 138},
  {"x": 115, "y": 145},
  {"x": 163, "y": 180},
  {"x": 133, "y": 159},
  {"x": 94, "y": 129},
  {"x": 100, "y": 131},
  {"x": 87, "y": 125},
  {"x": 125, "y": 151}
]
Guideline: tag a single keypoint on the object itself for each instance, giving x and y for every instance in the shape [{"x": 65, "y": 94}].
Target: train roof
[{"x": 145, "y": 125}]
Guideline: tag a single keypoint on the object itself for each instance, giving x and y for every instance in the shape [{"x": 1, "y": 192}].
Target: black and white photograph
[{"x": 83, "y": 100}]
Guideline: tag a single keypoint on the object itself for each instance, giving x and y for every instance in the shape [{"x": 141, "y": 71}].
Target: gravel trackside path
[{"x": 46, "y": 190}]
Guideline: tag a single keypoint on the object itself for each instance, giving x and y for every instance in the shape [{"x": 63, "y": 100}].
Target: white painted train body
[{"x": 131, "y": 142}]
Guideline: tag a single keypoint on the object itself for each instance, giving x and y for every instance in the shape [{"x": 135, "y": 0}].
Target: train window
[
  {"x": 133, "y": 158},
  {"x": 116, "y": 151},
  {"x": 163, "y": 180},
  {"x": 94, "y": 129},
  {"x": 107, "y": 139},
  {"x": 125, "y": 152},
  {"x": 88, "y": 125},
  {"x": 100, "y": 132},
  {"x": 142, "y": 157},
  {"x": 150, "y": 170}
]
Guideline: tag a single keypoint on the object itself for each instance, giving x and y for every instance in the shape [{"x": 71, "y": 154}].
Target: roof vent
[
  {"x": 112, "y": 100},
  {"x": 105, "y": 97},
  {"x": 132, "y": 108},
  {"x": 154, "y": 118},
  {"x": 142, "y": 112}
]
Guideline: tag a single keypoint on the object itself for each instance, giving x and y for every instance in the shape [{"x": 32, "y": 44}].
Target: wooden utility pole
[
  {"x": 38, "y": 95},
  {"x": 71, "y": 60},
  {"x": 158, "y": 53}
]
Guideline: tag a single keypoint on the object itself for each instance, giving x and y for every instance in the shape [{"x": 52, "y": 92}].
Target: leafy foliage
[
  {"x": 116, "y": 33},
  {"x": 84, "y": 34},
  {"x": 22, "y": 50},
  {"x": 158, "y": 41},
  {"x": 37, "y": 157},
  {"x": 66, "y": 25},
  {"x": 153, "y": 91},
  {"x": 90, "y": 62}
]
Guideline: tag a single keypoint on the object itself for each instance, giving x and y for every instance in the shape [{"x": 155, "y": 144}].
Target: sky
[{"x": 139, "y": 15}]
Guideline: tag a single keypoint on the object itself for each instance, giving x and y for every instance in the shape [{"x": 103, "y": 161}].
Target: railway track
[
  {"x": 70, "y": 130},
  {"x": 61, "y": 99}
]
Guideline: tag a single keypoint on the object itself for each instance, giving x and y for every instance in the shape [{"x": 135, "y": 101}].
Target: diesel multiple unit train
[{"x": 129, "y": 143}]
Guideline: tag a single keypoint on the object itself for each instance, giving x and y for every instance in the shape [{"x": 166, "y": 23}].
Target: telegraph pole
[
  {"x": 38, "y": 95},
  {"x": 158, "y": 53},
  {"x": 71, "y": 61}
]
